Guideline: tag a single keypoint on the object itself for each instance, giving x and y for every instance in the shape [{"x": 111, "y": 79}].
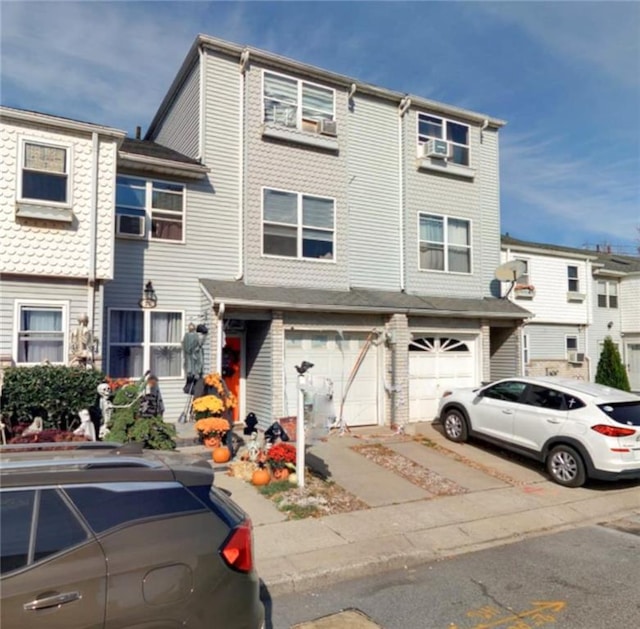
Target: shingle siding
[{"x": 259, "y": 386}]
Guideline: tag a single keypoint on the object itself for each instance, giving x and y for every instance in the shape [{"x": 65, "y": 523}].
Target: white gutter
[
  {"x": 402, "y": 109},
  {"x": 244, "y": 61},
  {"x": 201, "y": 105},
  {"x": 219, "y": 337},
  {"x": 180, "y": 169},
  {"x": 93, "y": 234}
]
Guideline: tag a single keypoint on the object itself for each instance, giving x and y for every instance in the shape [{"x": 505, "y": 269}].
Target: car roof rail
[
  {"x": 107, "y": 462},
  {"x": 114, "y": 447}
]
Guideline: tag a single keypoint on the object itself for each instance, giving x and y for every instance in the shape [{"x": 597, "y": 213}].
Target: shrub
[
  {"x": 611, "y": 371},
  {"x": 55, "y": 393}
]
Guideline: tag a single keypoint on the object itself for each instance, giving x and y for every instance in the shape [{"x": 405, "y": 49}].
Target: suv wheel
[
  {"x": 455, "y": 426},
  {"x": 566, "y": 467}
]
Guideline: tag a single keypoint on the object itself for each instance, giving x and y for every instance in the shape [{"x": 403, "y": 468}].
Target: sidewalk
[{"x": 405, "y": 525}]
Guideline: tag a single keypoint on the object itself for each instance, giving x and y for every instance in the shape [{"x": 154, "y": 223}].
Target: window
[
  {"x": 298, "y": 225},
  {"x": 16, "y": 510},
  {"x": 509, "y": 391},
  {"x": 141, "y": 340},
  {"x": 41, "y": 333},
  {"x": 573, "y": 284},
  {"x": 445, "y": 244},
  {"x": 571, "y": 344},
  {"x": 526, "y": 340},
  {"x": 456, "y": 134},
  {"x": 543, "y": 397},
  {"x": 294, "y": 103},
  {"x": 141, "y": 202},
  {"x": 524, "y": 276},
  {"x": 607, "y": 294},
  {"x": 45, "y": 174}
]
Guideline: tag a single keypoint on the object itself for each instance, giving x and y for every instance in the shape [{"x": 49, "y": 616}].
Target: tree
[{"x": 611, "y": 371}]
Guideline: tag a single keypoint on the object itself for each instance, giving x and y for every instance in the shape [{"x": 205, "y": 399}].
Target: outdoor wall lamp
[
  {"x": 149, "y": 297},
  {"x": 610, "y": 324}
]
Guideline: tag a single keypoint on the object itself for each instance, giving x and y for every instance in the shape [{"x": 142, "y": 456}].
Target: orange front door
[{"x": 231, "y": 367}]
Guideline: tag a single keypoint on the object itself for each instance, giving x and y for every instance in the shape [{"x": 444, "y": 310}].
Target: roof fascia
[
  {"x": 133, "y": 160},
  {"x": 556, "y": 253}
]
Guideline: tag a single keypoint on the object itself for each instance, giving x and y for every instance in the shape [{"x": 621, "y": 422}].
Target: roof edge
[{"x": 135, "y": 159}]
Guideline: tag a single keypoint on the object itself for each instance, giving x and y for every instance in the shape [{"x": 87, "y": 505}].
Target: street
[{"x": 579, "y": 579}]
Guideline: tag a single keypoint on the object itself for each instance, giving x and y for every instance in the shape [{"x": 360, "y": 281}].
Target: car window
[
  {"x": 16, "y": 511},
  {"x": 623, "y": 412},
  {"x": 543, "y": 397},
  {"x": 58, "y": 528},
  {"x": 573, "y": 403},
  {"x": 509, "y": 391},
  {"x": 109, "y": 505}
]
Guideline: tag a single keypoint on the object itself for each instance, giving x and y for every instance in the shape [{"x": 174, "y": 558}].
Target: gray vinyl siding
[
  {"x": 448, "y": 195},
  {"x": 296, "y": 168},
  {"x": 180, "y": 128},
  {"x": 258, "y": 383},
  {"x": 373, "y": 162},
  {"x": 504, "y": 350},
  {"x": 548, "y": 342}
]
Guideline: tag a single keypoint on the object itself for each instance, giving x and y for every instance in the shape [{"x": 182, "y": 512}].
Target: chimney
[{"x": 138, "y": 133}]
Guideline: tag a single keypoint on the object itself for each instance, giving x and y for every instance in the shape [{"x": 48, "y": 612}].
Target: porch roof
[{"x": 241, "y": 295}]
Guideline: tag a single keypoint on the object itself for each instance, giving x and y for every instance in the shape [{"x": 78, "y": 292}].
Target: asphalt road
[{"x": 586, "y": 578}]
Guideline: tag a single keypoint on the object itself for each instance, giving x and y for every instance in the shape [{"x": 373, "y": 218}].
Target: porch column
[
  {"x": 277, "y": 364},
  {"x": 397, "y": 370}
]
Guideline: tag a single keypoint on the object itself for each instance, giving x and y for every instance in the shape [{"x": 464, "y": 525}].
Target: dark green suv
[{"x": 108, "y": 536}]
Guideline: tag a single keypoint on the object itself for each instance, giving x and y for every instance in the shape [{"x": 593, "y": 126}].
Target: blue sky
[{"x": 565, "y": 75}]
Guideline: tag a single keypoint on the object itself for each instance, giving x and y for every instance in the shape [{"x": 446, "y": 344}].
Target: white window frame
[
  {"x": 300, "y": 83},
  {"x": 566, "y": 344},
  {"x": 446, "y": 218},
  {"x": 607, "y": 294},
  {"x": 40, "y": 303},
  {"x": 527, "y": 271},
  {"x": 299, "y": 227},
  {"x": 146, "y": 340},
  {"x": 575, "y": 279},
  {"x": 526, "y": 349},
  {"x": 149, "y": 210},
  {"x": 422, "y": 139},
  {"x": 68, "y": 148}
]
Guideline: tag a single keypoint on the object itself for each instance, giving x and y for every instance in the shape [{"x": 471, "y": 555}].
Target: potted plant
[
  {"x": 282, "y": 459},
  {"x": 212, "y": 430}
]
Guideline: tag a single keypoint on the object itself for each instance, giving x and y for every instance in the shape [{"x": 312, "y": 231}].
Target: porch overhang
[{"x": 356, "y": 300}]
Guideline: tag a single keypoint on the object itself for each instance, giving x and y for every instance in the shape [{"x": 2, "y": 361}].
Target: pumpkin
[
  {"x": 261, "y": 477},
  {"x": 221, "y": 455},
  {"x": 281, "y": 473},
  {"x": 293, "y": 478}
]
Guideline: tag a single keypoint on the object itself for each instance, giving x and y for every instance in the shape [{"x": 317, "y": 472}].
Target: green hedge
[{"x": 55, "y": 393}]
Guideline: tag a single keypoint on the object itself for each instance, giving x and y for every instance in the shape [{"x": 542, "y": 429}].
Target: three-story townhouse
[
  {"x": 348, "y": 225},
  {"x": 56, "y": 235}
]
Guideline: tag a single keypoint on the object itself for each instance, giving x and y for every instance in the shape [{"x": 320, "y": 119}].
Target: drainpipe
[
  {"x": 587, "y": 299},
  {"x": 244, "y": 62},
  {"x": 93, "y": 236},
  {"x": 219, "y": 337},
  {"x": 201, "y": 105},
  {"x": 405, "y": 103}
]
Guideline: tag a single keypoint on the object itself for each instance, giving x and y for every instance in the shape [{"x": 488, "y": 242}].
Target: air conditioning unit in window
[
  {"x": 327, "y": 127},
  {"x": 435, "y": 148},
  {"x": 130, "y": 226},
  {"x": 576, "y": 358}
]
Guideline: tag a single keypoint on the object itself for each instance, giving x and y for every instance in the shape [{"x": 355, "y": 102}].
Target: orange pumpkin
[
  {"x": 221, "y": 455},
  {"x": 212, "y": 442},
  {"x": 261, "y": 477},
  {"x": 281, "y": 473}
]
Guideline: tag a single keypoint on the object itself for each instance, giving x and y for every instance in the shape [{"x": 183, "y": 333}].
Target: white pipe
[
  {"x": 300, "y": 432},
  {"x": 587, "y": 299},
  {"x": 201, "y": 105},
  {"x": 219, "y": 337},
  {"x": 401, "y": 111},
  {"x": 93, "y": 235},
  {"x": 244, "y": 60}
]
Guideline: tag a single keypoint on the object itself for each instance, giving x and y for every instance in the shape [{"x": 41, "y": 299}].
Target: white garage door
[
  {"x": 334, "y": 356},
  {"x": 438, "y": 363}
]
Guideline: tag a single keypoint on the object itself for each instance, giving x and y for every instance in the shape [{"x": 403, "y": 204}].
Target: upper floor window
[
  {"x": 298, "y": 225},
  {"x": 45, "y": 173},
  {"x": 455, "y": 133},
  {"x": 573, "y": 283},
  {"x": 40, "y": 333},
  {"x": 141, "y": 202},
  {"x": 295, "y": 103},
  {"x": 445, "y": 244},
  {"x": 607, "y": 294}
]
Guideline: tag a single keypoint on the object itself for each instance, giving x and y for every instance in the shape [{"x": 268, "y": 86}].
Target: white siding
[
  {"x": 600, "y": 320},
  {"x": 549, "y": 341},
  {"x": 630, "y": 304}
]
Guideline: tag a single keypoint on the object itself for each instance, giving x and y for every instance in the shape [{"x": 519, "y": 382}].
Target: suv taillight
[
  {"x": 613, "y": 431},
  {"x": 237, "y": 550}
]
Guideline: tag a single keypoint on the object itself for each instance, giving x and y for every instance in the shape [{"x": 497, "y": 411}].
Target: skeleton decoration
[
  {"x": 82, "y": 343},
  {"x": 86, "y": 428},
  {"x": 253, "y": 447}
]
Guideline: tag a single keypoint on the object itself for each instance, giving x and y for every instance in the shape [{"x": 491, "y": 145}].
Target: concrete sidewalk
[{"x": 405, "y": 525}]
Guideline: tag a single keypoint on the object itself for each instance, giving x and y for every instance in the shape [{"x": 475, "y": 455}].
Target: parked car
[
  {"x": 107, "y": 536},
  {"x": 578, "y": 429}
]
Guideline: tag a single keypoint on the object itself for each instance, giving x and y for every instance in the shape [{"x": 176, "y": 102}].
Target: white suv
[{"x": 578, "y": 429}]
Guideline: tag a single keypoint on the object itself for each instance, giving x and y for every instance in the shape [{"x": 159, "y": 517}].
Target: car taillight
[
  {"x": 237, "y": 550},
  {"x": 613, "y": 431}
]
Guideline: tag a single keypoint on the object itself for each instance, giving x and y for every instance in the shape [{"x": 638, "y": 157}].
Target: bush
[
  {"x": 55, "y": 393},
  {"x": 611, "y": 371}
]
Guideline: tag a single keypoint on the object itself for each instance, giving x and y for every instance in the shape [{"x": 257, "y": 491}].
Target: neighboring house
[
  {"x": 578, "y": 297},
  {"x": 337, "y": 222},
  {"x": 56, "y": 232}
]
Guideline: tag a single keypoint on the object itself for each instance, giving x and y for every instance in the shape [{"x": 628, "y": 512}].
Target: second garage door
[{"x": 438, "y": 363}]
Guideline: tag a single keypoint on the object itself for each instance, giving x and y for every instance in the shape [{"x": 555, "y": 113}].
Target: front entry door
[
  {"x": 633, "y": 365},
  {"x": 232, "y": 369}
]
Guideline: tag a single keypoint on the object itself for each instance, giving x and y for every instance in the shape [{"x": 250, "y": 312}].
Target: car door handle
[
  {"x": 553, "y": 421},
  {"x": 507, "y": 411},
  {"x": 52, "y": 601}
]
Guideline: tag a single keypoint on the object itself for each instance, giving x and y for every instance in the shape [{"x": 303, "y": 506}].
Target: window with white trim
[
  {"x": 142, "y": 340},
  {"x": 573, "y": 283},
  {"x": 41, "y": 333},
  {"x": 526, "y": 348},
  {"x": 142, "y": 202},
  {"x": 571, "y": 344},
  {"x": 297, "y": 225},
  {"x": 607, "y": 294},
  {"x": 44, "y": 173},
  {"x": 295, "y": 103},
  {"x": 445, "y": 244},
  {"x": 455, "y": 133}
]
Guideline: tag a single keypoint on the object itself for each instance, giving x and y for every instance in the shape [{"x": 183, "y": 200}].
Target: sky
[{"x": 565, "y": 75}]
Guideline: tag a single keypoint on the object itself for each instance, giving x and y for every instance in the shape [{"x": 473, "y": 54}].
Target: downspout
[
  {"x": 93, "y": 236},
  {"x": 201, "y": 105},
  {"x": 405, "y": 103},
  {"x": 588, "y": 281},
  {"x": 244, "y": 61},
  {"x": 219, "y": 337}
]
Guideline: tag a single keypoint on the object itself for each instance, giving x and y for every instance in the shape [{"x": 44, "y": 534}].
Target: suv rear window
[{"x": 623, "y": 412}]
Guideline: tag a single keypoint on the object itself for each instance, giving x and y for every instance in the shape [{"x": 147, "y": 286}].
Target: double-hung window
[
  {"x": 607, "y": 294},
  {"x": 141, "y": 203},
  {"x": 295, "y": 103},
  {"x": 141, "y": 340},
  {"x": 445, "y": 244},
  {"x": 571, "y": 344},
  {"x": 41, "y": 333},
  {"x": 573, "y": 283},
  {"x": 298, "y": 225},
  {"x": 45, "y": 173},
  {"x": 456, "y": 134}
]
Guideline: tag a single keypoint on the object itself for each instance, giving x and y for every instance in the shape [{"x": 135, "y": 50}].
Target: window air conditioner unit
[
  {"x": 130, "y": 226},
  {"x": 576, "y": 357},
  {"x": 327, "y": 127},
  {"x": 435, "y": 148}
]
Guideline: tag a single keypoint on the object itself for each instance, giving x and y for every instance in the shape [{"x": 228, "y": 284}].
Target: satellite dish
[{"x": 511, "y": 271}]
